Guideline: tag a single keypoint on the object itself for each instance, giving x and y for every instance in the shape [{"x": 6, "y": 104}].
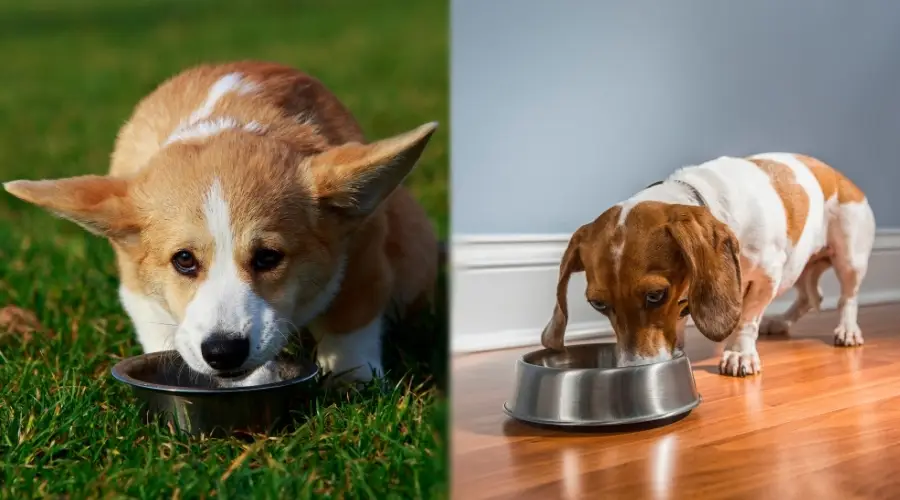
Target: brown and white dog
[
  {"x": 719, "y": 241},
  {"x": 242, "y": 201}
]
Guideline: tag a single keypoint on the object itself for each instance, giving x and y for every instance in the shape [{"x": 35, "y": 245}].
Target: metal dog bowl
[
  {"x": 582, "y": 386},
  {"x": 198, "y": 404}
]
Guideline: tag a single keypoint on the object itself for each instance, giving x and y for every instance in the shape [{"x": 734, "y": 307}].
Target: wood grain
[{"x": 820, "y": 422}]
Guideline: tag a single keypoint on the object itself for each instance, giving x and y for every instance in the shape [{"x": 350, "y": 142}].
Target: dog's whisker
[
  {"x": 158, "y": 323},
  {"x": 294, "y": 334},
  {"x": 289, "y": 322},
  {"x": 290, "y": 329}
]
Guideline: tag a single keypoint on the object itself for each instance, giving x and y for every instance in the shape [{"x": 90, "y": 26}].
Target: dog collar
[{"x": 694, "y": 191}]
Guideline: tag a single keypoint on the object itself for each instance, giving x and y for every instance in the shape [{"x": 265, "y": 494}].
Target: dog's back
[
  {"x": 785, "y": 209},
  {"x": 281, "y": 101}
]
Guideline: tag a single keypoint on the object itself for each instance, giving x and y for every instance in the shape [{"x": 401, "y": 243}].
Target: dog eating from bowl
[{"x": 243, "y": 203}]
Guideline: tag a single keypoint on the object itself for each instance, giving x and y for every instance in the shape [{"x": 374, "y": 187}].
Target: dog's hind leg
[
  {"x": 851, "y": 236},
  {"x": 809, "y": 298}
]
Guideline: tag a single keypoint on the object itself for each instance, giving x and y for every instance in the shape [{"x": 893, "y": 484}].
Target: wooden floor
[{"x": 820, "y": 422}]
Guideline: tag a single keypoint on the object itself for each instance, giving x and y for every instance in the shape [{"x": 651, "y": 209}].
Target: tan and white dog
[
  {"x": 243, "y": 201},
  {"x": 719, "y": 241}
]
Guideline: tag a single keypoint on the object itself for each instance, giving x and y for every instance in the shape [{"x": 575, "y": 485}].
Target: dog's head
[
  {"x": 649, "y": 267},
  {"x": 239, "y": 237}
]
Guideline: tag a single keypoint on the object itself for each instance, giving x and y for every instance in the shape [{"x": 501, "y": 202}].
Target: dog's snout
[{"x": 223, "y": 351}]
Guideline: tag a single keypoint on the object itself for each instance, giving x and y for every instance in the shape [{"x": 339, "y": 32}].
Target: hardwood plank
[{"x": 819, "y": 420}]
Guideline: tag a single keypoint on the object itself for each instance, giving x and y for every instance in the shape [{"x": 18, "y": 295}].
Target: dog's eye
[
  {"x": 601, "y": 307},
  {"x": 685, "y": 309},
  {"x": 185, "y": 263},
  {"x": 656, "y": 297},
  {"x": 266, "y": 259}
]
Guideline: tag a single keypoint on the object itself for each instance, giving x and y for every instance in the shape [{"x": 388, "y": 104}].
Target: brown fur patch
[
  {"x": 573, "y": 261},
  {"x": 832, "y": 182},
  {"x": 793, "y": 196},
  {"x": 660, "y": 247}
]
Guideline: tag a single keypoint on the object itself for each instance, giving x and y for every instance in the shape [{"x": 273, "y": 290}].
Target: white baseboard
[{"x": 504, "y": 289}]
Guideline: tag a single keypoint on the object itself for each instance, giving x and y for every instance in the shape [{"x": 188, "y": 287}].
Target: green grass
[{"x": 72, "y": 73}]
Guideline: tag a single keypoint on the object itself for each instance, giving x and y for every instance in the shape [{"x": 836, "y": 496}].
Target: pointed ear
[
  {"x": 355, "y": 178},
  {"x": 97, "y": 203},
  {"x": 555, "y": 331},
  {"x": 712, "y": 254}
]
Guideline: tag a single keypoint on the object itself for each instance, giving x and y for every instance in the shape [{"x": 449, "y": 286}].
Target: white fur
[
  {"x": 667, "y": 192},
  {"x": 630, "y": 359},
  {"x": 155, "y": 326},
  {"x": 199, "y": 125},
  {"x": 853, "y": 236},
  {"x": 232, "y": 82},
  {"x": 624, "y": 358},
  {"x": 355, "y": 355},
  {"x": 742, "y": 196},
  {"x": 211, "y": 127}
]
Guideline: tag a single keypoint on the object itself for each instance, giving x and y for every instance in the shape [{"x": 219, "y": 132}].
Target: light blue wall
[{"x": 561, "y": 108}]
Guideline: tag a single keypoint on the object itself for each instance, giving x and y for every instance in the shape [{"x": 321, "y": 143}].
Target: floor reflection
[{"x": 662, "y": 468}]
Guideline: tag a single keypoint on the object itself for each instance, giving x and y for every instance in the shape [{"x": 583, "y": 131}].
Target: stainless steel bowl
[
  {"x": 197, "y": 404},
  {"x": 582, "y": 386}
]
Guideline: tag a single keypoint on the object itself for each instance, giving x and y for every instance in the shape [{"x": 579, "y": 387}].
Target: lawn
[{"x": 72, "y": 73}]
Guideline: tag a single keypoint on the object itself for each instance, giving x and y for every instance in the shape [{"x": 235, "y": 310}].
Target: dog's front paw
[
  {"x": 346, "y": 374},
  {"x": 848, "y": 335},
  {"x": 352, "y": 358},
  {"x": 739, "y": 364},
  {"x": 774, "y": 325}
]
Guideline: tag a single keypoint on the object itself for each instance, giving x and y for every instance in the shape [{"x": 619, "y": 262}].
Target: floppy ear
[
  {"x": 711, "y": 252},
  {"x": 354, "y": 178},
  {"x": 97, "y": 203},
  {"x": 555, "y": 331}
]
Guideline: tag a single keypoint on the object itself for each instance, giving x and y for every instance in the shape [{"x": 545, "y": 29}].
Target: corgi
[
  {"x": 718, "y": 242},
  {"x": 242, "y": 203}
]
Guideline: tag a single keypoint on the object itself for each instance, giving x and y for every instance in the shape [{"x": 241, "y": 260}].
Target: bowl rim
[
  {"x": 679, "y": 357},
  {"x": 119, "y": 373},
  {"x": 604, "y": 423}
]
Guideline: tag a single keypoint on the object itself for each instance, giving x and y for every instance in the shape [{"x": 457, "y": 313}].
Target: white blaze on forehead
[
  {"x": 619, "y": 247},
  {"x": 199, "y": 124},
  {"x": 218, "y": 220},
  {"x": 223, "y": 301},
  {"x": 232, "y": 82}
]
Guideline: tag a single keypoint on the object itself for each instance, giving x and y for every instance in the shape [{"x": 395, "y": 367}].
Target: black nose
[{"x": 224, "y": 351}]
